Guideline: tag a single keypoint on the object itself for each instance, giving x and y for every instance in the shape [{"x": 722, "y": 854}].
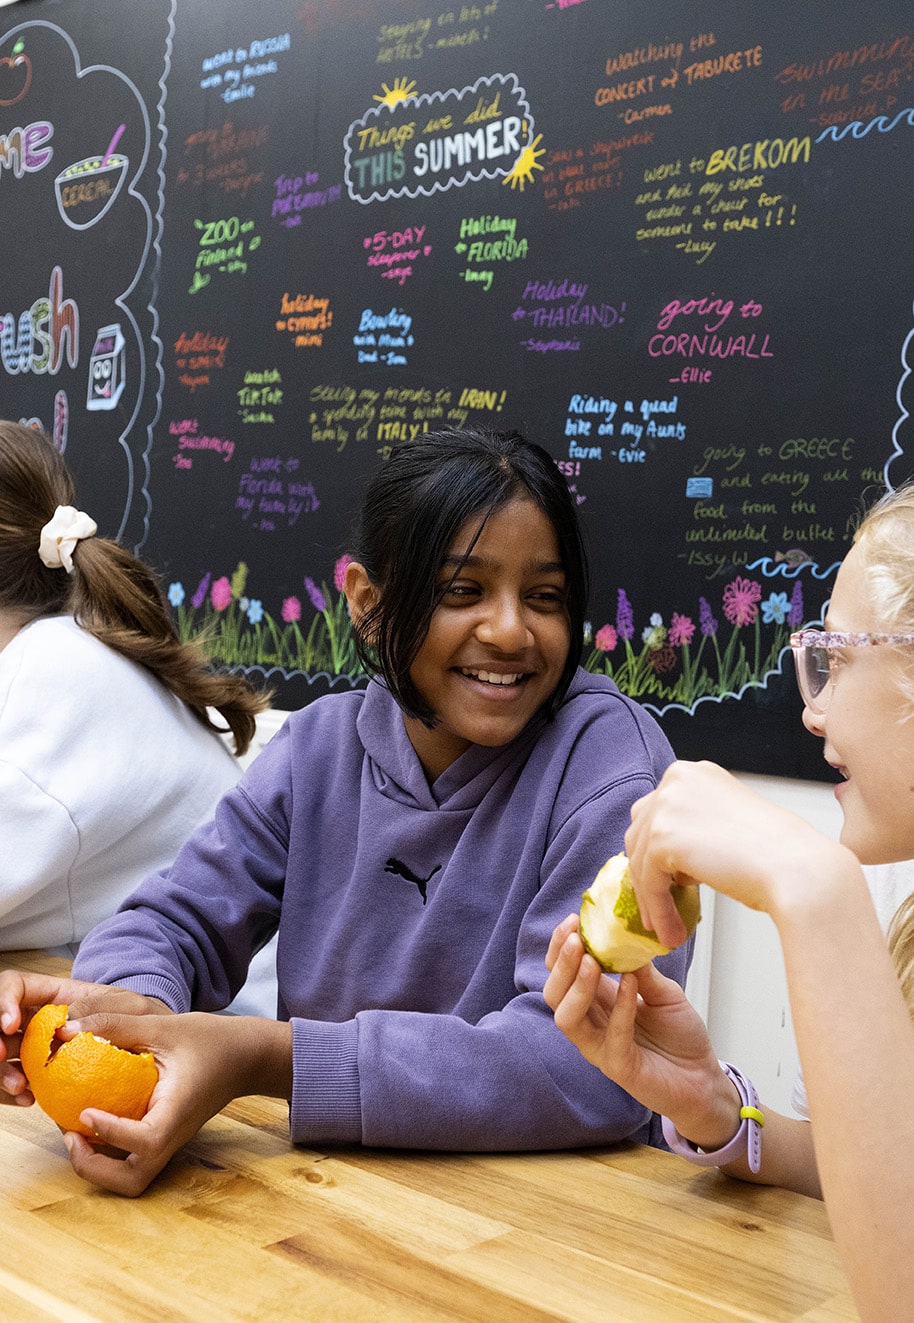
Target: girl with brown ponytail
[{"x": 109, "y": 757}]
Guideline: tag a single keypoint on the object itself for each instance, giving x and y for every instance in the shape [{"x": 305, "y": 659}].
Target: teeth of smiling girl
[{"x": 489, "y": 677}]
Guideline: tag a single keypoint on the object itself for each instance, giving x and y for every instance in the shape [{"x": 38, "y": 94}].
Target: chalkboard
[{"x": 248, "y": 247}]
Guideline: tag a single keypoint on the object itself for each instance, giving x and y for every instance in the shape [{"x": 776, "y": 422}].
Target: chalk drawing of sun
[
  {"x": 522, "y": 170},
  {"x": 402, "y": 90}
]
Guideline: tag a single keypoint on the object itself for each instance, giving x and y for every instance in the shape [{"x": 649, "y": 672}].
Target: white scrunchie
[{"x": 61, "y": 534}]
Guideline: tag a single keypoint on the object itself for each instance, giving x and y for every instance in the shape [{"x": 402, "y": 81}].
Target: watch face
[{"x": 106, "y": 369}]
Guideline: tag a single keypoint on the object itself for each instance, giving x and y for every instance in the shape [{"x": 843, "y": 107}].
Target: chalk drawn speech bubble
[{"x": 439, "y": 140}]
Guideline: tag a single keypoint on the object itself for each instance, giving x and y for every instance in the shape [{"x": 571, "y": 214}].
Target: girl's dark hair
[
  {"x": 413, "y": 508},
  {"x": 111, "y": 593}
]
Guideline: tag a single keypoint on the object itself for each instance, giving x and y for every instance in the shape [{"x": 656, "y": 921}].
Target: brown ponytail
[{"x": 111, "y": 593}]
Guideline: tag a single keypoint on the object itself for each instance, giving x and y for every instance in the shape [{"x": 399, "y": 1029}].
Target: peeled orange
[{"x": 85, "y": 1072}]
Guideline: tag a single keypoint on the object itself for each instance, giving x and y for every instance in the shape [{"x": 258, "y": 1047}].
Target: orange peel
[{"x": 86, "y": 1071}]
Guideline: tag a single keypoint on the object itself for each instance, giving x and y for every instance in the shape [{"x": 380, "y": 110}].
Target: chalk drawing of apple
[{"x": 15, "y": 72}]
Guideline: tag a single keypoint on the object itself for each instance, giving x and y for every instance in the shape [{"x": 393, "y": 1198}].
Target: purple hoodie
[{"x": 413, "y": 919}]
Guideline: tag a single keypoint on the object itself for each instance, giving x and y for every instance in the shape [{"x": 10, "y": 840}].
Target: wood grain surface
[{"x": 243, "y": 1226}]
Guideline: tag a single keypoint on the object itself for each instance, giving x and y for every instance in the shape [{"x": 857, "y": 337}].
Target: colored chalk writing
[{"x": 249, "y": 250}]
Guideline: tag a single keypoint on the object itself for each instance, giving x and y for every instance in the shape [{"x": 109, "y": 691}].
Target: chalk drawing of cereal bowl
[{"x": 87, "y": 188}]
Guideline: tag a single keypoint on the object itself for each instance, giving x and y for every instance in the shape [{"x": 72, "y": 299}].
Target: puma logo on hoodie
[{"x": 404, "y": 871}]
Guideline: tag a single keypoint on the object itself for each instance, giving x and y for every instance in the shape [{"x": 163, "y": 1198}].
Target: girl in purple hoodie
[{"x": 413, "y": 845}]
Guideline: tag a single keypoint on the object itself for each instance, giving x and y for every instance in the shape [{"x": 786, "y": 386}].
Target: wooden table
[{"x": 241, "y": 1225}]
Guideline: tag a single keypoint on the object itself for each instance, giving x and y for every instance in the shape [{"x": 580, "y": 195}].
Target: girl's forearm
[
  {"x": 856, "y": 1043},
  {"x": 788, "y": 1159}
]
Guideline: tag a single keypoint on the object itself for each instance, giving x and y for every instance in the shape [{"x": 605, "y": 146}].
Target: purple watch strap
[{"x": 747, "y": 1142}]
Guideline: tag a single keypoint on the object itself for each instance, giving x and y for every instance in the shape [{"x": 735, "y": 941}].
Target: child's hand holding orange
[
  {"x": 21, "y": 996},
  {"x": 86, "y": 1071},
  {"x": 203, "y": 1062}
]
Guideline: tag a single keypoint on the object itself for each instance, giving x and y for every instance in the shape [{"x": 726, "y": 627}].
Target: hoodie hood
[{"x": 398, "y": 774}]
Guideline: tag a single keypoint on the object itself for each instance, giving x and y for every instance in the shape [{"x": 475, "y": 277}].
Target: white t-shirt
[
  {"x": 103, "y": 775},
  {"x": 889, "y": 885}
]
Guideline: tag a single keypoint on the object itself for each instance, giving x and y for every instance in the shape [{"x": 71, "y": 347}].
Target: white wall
[
  {"x": 748, "y": 1010},
  {"x": 268, "y": 723}
]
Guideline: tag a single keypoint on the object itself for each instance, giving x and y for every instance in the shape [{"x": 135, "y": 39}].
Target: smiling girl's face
[
  {"x": 868, "y": 727},
  {"x": 498, "y": 640}
]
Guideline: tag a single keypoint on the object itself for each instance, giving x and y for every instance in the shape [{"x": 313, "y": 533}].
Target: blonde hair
[
  {"x": 885, "y": 536},
  {"x": 901, "y": 949},
  {"x": 112, "y": 594}
]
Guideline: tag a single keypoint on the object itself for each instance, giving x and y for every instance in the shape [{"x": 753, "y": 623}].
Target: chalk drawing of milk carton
[{"x": 106, "y": 368}]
